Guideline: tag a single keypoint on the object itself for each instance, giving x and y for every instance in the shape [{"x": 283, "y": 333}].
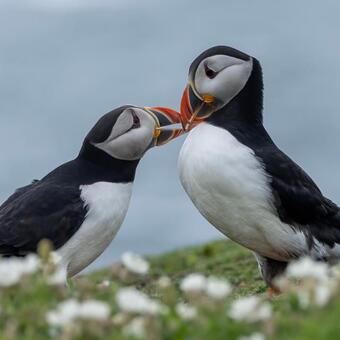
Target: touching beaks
[
  {"x": 195, "y": 108},
  {"x": 168, "y": 124}
]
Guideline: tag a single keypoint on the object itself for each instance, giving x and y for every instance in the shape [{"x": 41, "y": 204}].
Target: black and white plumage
[
  {"x": 80, "y": 205},
  {"x": 236, "y": 176}
]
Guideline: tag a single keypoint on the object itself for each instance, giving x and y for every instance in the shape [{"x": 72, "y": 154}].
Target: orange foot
[{"x": 273, "y": 291}]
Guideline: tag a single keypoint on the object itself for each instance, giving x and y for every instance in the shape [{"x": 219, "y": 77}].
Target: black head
[
  {"x": 223, "y": 83},
  {"x": 126, "y": 133}
]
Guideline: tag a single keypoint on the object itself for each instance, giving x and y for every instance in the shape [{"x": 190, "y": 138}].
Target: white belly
[
  {"x": 228, "y": 185},
  {"x": 107, "y": 204}
]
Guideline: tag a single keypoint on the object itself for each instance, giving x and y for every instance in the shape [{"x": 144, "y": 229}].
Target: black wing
[
  {"x": 39, "y": 211},
  {"x": 18, "y": 192},
  {"x": 298, "y": 200}
]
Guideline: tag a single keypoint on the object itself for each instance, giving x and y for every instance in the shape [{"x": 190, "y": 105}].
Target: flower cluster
[
  {"x": 136, "y": 328},
  {"x": 211, "y": 286},
  {"x": 185, "y": 311},
  {"x": 312, "y": 282},
  {"x": 153, "y": 306},
  {"x": 71, "y": 310},
  {"x": 250, "y": 309},
  {"x": 131, "y": 300},
  {"x": 135, "y": 263},
  {"x": 131, "y": 268},
  {"x": 14, "y": 268}
]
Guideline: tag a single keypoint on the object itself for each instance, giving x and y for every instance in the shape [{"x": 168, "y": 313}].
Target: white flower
[
  {"x": 303, "y": 297},
  {"x": 319, "y": 294},
  {"x": 212, "y": 286},
  {"x": 94, "y": 310},
  {"x": 66, "y": 312},
  {"x": 71, "y": 310},
  {"x": 322, "y": 295},
  {"x": 250, "y": 309},
  {"x": 135, "y": 328},
  {"x": 164, "y": 282},
  {"x": 307, "y": 268},
  {"x": 104, "y": 284},
  {"x": 193, "y": 283},
  {"x": 9, "y": 274},
  {"x": 254, "y": 336},
  {"x": 12, "y": 269},
  {"x": 55, "y": 258},
  {"x": 185, "y": 311},
  {"x": 131, "y": 300},
  {"x": 135, "y": 263},
  {"x": 217, "y": 288},
  {"x": 59, "y": 277},
  {"x": 30, "y": 264}
]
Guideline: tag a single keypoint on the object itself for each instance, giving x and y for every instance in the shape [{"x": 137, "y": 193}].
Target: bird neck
[
  {"x": 247, "y": 106},
  {"x": 104, "y": 167}
]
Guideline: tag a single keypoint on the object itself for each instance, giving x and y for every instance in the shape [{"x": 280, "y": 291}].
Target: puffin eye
[
  {"x": 136, "y": 121},
  {"x": 210, "y": 73}
]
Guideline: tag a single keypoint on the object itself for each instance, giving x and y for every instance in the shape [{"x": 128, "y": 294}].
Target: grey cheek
[
  {"x": 230, "y": 82},
  {"x": 131, "y": 146},
  {"x": 128, "y": 152},
  {"x": 123, "y": 123}
]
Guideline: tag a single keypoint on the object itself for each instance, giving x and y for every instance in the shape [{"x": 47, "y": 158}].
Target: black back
[{"x": 39, "y": 211}]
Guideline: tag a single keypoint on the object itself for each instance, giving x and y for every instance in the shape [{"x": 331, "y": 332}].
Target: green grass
[
  {"x": 231, "y": 261},
  {"x": 23, "y": 308},
  {"x": 220, "y": 258}
]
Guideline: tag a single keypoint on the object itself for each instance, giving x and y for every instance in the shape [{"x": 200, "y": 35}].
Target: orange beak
[
  {"x": 168, "y": 124},
  {"x": 189, "y": 117},
  {"x": 195, "y": 108}
]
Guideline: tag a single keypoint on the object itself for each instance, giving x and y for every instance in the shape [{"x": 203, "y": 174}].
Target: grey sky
[{"x": 64, "y": 63}]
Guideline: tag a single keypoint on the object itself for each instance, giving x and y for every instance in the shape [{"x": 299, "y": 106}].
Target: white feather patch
[
  {"x": 107, "y": 204},
  {"x": 229, "y": 186}
]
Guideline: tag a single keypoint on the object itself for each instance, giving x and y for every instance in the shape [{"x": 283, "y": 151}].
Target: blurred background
[{"x": 64, "y": 63}]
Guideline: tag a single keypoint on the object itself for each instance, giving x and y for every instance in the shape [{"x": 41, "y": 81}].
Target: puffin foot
[{"x": 273, "y": 291}]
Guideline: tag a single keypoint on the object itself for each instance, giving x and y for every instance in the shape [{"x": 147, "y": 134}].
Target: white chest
[
  {"x": 228, "y": 185},
  {"x": 107, "y": 204}
]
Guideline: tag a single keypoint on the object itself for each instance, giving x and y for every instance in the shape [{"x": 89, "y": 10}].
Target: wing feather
[{"x": 39, "y": 211}]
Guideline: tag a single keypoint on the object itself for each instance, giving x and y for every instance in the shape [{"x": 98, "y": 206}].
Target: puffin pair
[
  {"x": 80, "y": 205},
  {"x": 229, "y": 166},
  {"x": 238, "y": 179}
]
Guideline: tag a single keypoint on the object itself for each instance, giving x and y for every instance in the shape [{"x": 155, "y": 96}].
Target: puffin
[
  {"x": 80, "y": 205},
  {"x": 236, "y": 176}
]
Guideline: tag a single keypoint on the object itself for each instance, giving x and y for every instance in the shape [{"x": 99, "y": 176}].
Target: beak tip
[{"x": 165, "y": 117}]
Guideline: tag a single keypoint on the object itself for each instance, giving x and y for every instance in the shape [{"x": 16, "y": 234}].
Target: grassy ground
[
  {"x": 23, "y": 307},
  {"x": 229, "y": 260},
  {"x": 220, "y": 258}
]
